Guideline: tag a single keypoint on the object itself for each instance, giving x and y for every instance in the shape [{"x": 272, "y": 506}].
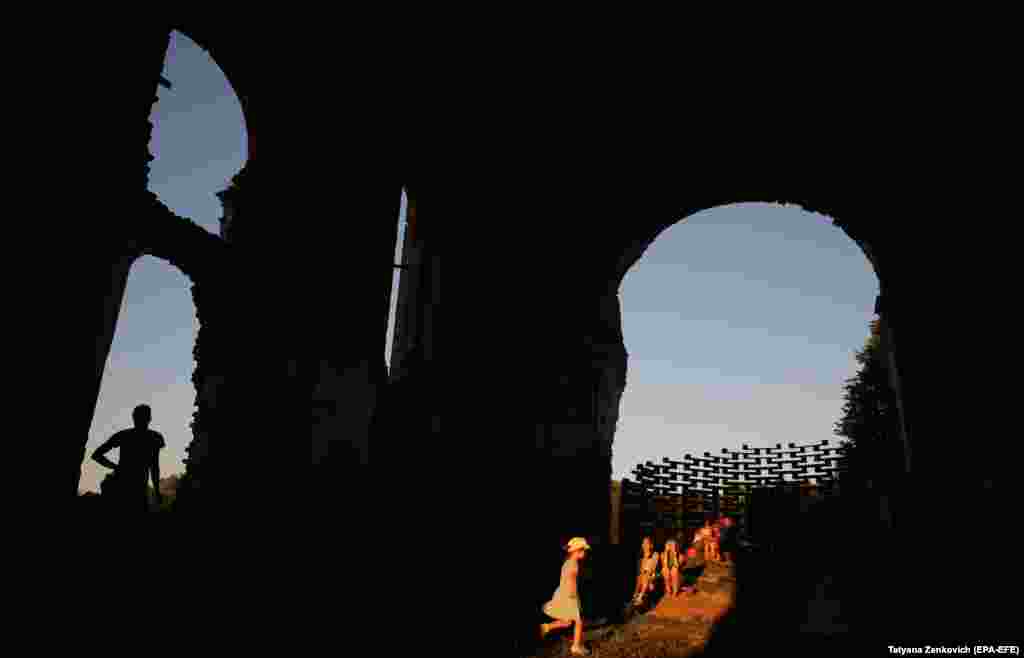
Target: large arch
[
  {"x": 602, "y": 339},
  {"x": 577, "y": 353},
  {"x": 339, "y": 374},
  {"x": 188, "y": 248},
  {"x": 644, "y": 237},
  {"x": 674, "y": 275},
  {"x": 155, "y": 230}
]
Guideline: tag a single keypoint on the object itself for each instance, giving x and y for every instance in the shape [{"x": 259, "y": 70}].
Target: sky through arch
[
  {"x": 741, "y": 324},
  {"x": 198, "y": 142}
]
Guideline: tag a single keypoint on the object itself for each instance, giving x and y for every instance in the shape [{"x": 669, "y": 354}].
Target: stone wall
[
  {"x": 583, "y": 200},
  {"x": 615, "y": 532}
]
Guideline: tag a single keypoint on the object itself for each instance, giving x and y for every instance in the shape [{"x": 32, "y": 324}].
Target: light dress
[{"x": 565, "y": 604}]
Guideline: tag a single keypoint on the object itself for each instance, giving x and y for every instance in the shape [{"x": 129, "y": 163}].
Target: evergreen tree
[{"x": 870, "y": 420}]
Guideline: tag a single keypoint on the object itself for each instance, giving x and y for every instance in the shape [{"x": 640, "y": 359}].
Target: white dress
[{"x": 565, "y": 604}]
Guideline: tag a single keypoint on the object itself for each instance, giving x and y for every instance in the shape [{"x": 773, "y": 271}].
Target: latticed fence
[{"x": 762, "y": 489}]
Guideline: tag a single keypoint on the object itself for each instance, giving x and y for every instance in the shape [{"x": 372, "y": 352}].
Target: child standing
[
  {"x": 706, "y": 532},
  {"x": 564, "y": 605},
  {"x": 716, "y": 534},
  {"x": 672, "y": 561},
  {"x": 648, "y": 570}
]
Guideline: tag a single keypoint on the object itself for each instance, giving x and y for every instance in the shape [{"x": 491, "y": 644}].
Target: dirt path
[
  {"x": 643, "y": 637},
  {"x": 715, "y": 595},
  {"x": 674, "y": 628}
]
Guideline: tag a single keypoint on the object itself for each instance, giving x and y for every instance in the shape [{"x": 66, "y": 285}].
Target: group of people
[{"x": 679, "y": 570}]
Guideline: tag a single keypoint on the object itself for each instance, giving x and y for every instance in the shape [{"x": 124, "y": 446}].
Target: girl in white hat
[
  {"x": 564, "y": 606},
  {"x": 671, "y": 562}
]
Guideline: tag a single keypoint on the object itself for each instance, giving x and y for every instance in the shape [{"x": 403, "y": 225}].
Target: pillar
[{"x": 128, "y": 83}]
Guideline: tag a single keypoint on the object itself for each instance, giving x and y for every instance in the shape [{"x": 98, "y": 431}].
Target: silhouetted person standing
[{"x": 140, "y": 459}]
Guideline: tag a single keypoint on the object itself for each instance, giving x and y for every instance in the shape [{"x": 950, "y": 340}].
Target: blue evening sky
[
  {"x": 199, "y": 142},
  {"x": 741, "y": 322}
]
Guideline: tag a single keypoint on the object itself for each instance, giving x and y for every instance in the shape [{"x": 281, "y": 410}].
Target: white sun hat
[{"x": 576, "y": 543}]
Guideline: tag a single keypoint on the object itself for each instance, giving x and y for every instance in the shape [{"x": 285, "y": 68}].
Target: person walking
[{"x": 564, "y": 605}]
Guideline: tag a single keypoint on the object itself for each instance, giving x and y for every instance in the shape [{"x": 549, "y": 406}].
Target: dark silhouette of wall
[{"x": 564, "y": 201}]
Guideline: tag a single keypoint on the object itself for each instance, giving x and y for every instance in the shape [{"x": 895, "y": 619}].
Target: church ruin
[{"x": 292, "y": 322}]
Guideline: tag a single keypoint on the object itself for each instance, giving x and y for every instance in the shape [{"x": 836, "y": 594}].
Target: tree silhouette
[{"x": 870, "y": 420}]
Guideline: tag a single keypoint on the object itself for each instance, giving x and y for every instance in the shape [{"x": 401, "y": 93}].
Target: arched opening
[
  {"x": 741, "y": 324},
  {"x": 396, "y": 280},
  {"x": 198, "y": 144},
  {"x": 150, "y": 363},
  {"x": 199, "y": 139}
]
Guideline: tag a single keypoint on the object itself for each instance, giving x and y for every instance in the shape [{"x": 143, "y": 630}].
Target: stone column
[
  {"x": 209, "y": 378},
  {"x": 616, "y": 512},
  {"x": 344, "y": 398},
  {"x": 137, "y": 95},
  {"x": 898, "y": 304},
  {"x": 888, "y": 345},
  {"x": 581, "y": 391}
]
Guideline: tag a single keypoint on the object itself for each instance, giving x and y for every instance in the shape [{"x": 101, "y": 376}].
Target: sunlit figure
[
  {"x": 647, "y": 572},
  {"x": 564, "y": 606}
]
